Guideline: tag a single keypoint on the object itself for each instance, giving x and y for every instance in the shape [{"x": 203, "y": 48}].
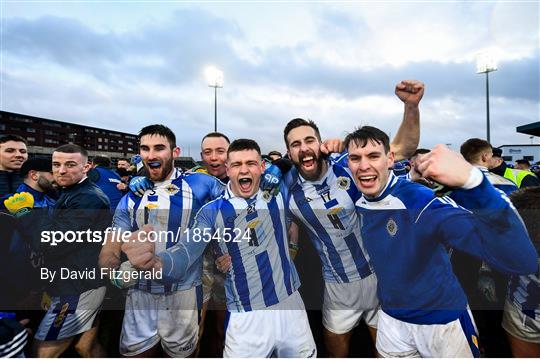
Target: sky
[{"x": 123, "y": 65}]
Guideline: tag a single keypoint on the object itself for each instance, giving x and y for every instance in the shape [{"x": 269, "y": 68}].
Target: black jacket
[
  {"x": 9, "y": 181},
  {"x": 80, "y": 208}
]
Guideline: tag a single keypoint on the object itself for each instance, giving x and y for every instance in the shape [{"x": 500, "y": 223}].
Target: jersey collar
[{"x": 392, "y": 180}]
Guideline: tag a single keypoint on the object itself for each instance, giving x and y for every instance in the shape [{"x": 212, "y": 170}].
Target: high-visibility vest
[{"x": 516, "y": 175}]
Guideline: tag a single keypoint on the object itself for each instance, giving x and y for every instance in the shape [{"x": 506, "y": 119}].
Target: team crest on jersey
[
  {"x": 266, "y": 196},
  {"x": 344, "y": 183},
  {"x": 172, "y": 189},
  {"x": 391, "y": 227},
  {"x": 151, "y": 205}
]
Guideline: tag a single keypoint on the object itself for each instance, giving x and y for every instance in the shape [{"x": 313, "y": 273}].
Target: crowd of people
[{"x": 434, "y": 252}]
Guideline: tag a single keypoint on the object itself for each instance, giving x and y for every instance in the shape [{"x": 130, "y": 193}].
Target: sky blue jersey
[
  {"x": 170, "y": 208},
  {"x": 405, "y": 232},
  {"x": 254, "y": 233}
]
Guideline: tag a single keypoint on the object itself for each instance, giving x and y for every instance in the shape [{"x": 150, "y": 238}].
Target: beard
[
  {"x": 312, "y": 175},
  {"x": 166, "y": 168},
  {"x": 45, "y": 184}
]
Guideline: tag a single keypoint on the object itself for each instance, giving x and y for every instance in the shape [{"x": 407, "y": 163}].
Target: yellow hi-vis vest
[{"x": 516, "y": 176}]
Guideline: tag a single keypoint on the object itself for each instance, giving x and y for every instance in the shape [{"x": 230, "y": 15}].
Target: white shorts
[
  {"x": 519, "y": 325},
  {"x": 171, "y": 318},
  {"x": 68, "y": 316},
  {"x": 458, "y": 338},
  {"x": 345, "y": 304},
  {"x": 282, "y": 330}
]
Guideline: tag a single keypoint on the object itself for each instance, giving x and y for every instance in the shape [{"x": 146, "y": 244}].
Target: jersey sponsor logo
[
  {"x": 391, "y": 227},
  {"x": 60, "y": 317},
  {"x": 172, "y": 189},
  {"x": 344, "y": 183},
  {"x": 335, "y": 220},
  {"x": 253, "y": 240},
  {"x": 475, "y": 340}
]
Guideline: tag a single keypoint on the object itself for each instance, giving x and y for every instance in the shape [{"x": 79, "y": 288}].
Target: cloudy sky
[{"x": 123, "y": 65}]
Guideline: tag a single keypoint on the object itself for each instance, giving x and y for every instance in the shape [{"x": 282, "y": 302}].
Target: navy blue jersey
[
  {"x": 107, "y": 180},
  {"x": 499, "y": 182},
  {"x": 405, "y": 232}
]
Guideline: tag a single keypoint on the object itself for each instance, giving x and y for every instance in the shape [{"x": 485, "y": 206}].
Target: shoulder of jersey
[
  {"x": 197, "y": 169},
  {"x": 413, "y": 194},
  {"x": 214, "y": 204},
  {"x": 200, "y": 175}
]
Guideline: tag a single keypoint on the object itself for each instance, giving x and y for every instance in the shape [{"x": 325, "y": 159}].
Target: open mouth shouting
[
  {"x": 154, "y": 168},
  {"x": 245, "y": 184},
  {"x": 310, "y": 166},
  {"x": 368, "y": 183},
  {"x": 308, "y": 162}
]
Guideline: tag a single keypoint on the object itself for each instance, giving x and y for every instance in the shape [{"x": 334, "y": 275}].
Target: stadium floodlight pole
[
  {"x": 485, "y": 63},
  {"x": 214, "y": 77}
]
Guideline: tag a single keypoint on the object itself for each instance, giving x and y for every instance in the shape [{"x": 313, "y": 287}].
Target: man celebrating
[
  {"x": 156, "y": 312},
  {"x": 75, "y": 302},
  {"x": 323, "y": 201},
  {"x": 13, "y": 153},
  {"x": 214, "y": 155},
  {"x": 405, "y": 229},
  {"x": 267, "y": 315}
]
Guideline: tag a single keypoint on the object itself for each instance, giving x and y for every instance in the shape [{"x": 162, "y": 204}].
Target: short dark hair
[
  {"x": 122, "y": 159},
  {"x": 101, "y": 161},
  {"x": 420, "y": 151},
  {"x": 160, "y": 130},
  {"x": 275, "y": 153},
  {"x": 15, "y": 138},
  {"x": 298, "y": 122},
  {"x": 361, "y": 136},
  {"x": 527, "y": 202},
  {"x": 215, "y": 134},
  {"x": 473, "y": 147},
  {"x": 72, "y": 148},
  {"x": 524, "y": 162},
  {"x": 243, "y": 144}
]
